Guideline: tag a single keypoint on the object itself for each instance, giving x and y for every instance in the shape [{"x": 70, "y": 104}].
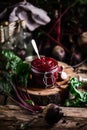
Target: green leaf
[
  {"x": 83, "y": 1},
  {"x": 80, "y": 97},
  {"x": 30, "y": 102},
  {"x": 18, "y": 70}
]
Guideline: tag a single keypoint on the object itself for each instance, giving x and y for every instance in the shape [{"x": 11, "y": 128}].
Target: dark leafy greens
[
  {"x": 79, "y": 97},
  {"x": 14, "y": 73},
  {"x": 18, "y": 70}
]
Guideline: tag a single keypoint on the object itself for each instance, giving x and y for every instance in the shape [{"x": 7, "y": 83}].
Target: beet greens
[
  {"x": 14, "y": 75},
  {"x": 16, "y": 68},
  {"x": 79, "y": 97}
]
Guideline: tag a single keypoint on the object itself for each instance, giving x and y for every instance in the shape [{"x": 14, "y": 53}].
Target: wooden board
[
  {"x": 15, "y": 118},
  {"x": 55, "y": 94}
]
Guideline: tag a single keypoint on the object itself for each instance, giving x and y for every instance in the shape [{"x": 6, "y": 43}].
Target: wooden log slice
[
  {"x": 46, "y": 96},
  {"x": 55, "y": 94}
]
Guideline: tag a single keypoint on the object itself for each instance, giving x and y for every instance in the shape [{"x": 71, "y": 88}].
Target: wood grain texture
[{"x": 13, "y": 117}]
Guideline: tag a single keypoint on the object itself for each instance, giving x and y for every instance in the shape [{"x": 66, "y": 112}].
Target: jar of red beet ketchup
[{"x": 44, "y": 71}]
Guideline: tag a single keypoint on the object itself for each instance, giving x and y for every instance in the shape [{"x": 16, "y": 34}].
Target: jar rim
[
  {"x": 42, "y": 72},
  {"x": 55, "y": 65}
]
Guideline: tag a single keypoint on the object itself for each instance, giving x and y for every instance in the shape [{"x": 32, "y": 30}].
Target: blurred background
[{"x": 63, "y": 35}]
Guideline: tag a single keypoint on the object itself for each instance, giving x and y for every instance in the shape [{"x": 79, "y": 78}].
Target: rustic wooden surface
[{"x": 14, "y": 118}]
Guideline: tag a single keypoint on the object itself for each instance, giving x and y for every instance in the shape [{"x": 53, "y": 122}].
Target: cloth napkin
[{"x": 33, "y": 16}]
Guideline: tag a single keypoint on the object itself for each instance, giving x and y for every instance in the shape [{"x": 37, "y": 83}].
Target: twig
[
  {"x": 47, "y": 34},
  {"x": 58, "y": 20}
]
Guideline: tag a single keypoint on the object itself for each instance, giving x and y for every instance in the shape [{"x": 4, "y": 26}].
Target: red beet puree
[{"x": 44, "y": 71}]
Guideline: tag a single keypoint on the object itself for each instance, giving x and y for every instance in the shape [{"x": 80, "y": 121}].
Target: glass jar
[{"x": 44, "y": 71}]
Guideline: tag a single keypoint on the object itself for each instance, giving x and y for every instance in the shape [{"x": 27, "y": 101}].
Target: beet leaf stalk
[
  {"x": 21, "y": 98},
  {"x": 57, "y": 26}
]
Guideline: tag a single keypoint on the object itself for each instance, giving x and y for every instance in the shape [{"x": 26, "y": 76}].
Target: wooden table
[{"x": 12, "y": 117}]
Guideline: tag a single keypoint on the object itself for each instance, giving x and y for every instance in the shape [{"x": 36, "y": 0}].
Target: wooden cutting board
[{"x": 55, "y": 94}]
